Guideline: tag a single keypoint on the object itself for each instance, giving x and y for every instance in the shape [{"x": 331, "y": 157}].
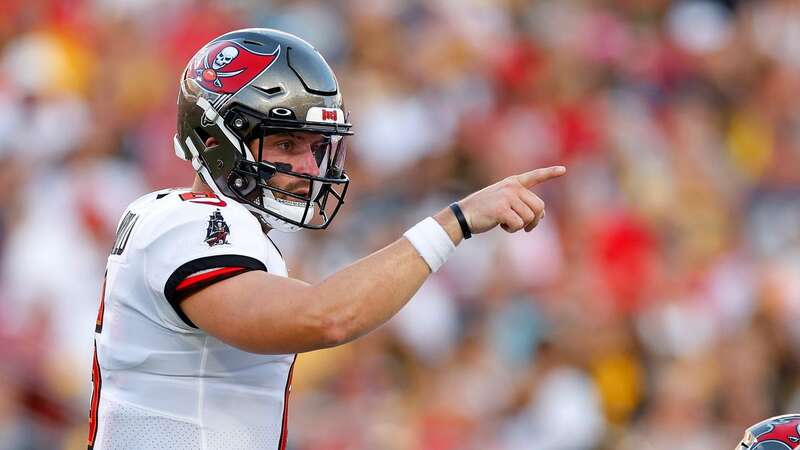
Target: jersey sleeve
[{"x": 196, "y": 245}]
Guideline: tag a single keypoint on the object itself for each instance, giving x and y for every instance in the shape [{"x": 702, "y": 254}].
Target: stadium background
[{"x": 655, "y": 307}]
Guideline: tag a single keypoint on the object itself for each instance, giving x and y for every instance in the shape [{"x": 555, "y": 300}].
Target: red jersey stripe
[
  {"x": 208, "y": 277},
  {"x": 95, "y": 402},
  {"x": 285, "y": 425}
]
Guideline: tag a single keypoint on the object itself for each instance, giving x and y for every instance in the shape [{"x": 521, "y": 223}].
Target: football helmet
[
  {"x": 775, "y": 433},
  {"x": 248, "y": 84}
]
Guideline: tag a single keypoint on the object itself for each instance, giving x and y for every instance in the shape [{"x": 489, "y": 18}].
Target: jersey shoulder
[
  {"x": 209, "y": 219},
  {"x": 177, "y": 242}
]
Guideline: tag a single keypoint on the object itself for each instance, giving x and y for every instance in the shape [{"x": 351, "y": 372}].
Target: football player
[{"x": 199, "y": 325}]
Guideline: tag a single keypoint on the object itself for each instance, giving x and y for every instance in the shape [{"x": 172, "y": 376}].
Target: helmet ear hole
[{"x": 207, "y": 140}]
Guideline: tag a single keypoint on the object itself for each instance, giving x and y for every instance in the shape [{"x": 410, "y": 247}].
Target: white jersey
[{"x": 160, "y": 382}]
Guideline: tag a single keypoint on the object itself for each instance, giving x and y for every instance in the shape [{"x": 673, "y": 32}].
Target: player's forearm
[
  {"x": 364, "y": 295},
  {"x": 367, "y": 293}
]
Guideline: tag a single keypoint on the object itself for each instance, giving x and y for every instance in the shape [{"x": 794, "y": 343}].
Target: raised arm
[{"x": 264, "y": 313}]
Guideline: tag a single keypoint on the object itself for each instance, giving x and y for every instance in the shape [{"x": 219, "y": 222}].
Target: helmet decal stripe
[
  {"x": 225, "y": 67},
  {"x": 773, "y": 433}
]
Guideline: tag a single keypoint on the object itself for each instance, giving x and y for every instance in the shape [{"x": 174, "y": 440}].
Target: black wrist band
[{"x": 462, "y": 221}]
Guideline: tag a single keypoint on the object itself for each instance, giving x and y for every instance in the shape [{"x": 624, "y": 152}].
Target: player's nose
[{"x": 306, "y": 163}]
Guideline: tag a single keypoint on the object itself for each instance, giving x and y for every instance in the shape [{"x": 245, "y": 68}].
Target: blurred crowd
[{"x": 651, "y": 310}]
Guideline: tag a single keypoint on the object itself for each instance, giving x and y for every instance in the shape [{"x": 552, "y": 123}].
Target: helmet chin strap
[{"x": 286, "y": 208}]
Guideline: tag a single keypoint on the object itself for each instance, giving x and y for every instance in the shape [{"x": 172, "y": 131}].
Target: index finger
[{"x": 534, "y": 177}]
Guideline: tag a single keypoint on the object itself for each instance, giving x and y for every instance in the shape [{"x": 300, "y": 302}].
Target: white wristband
[{"x": 431, "y": 241}]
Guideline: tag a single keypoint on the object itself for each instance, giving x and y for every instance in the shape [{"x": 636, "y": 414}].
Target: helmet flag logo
[
  {"x": 225, "y": 67},
  {"x": 780, "y": 433}
]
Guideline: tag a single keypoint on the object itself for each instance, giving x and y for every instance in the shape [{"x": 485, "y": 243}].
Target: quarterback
[{"x": 199, "y": 324}]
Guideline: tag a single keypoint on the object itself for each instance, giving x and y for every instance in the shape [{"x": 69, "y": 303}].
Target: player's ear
[{"x": 210, "y": 142}]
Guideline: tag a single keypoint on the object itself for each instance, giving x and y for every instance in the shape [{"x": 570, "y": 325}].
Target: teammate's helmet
[
  {"x": 775, "y": 433},
  {"x": 245, "y": 85}
]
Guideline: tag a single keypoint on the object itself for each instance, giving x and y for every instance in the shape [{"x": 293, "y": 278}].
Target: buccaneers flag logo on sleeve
[
  {"x": 217, "y": 231},
  {"x": 225, "y": 67}
]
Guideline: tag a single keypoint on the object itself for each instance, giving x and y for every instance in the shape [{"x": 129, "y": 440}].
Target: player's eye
[{"x": 285, "y": 146}]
